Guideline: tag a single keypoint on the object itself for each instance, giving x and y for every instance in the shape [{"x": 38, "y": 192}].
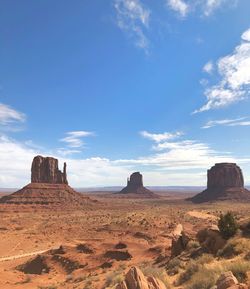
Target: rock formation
[
  {"x": 135, "y": 279},
  {"x": 135, "y": 187},
  {"x": 179, "y": 241},
  {"x": 48, "y": 187},
  {"x": 228, "y": 281},
  {"x": 45, "y": 170},
  {"x": 224, "y": 182}
]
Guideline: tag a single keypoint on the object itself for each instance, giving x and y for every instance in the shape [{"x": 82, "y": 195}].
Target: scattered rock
[
  {"x": 210, "y": 239},
  {"x": 120, "y": 245},
  {"x": 59, "y": 251},
  {"x": 141, "y": 235},
  {"x": 106, "y": 265},
  {"x": 35, "y": 266},
  {"x": 224, "y": 182},
  {"x": 118, "y": 255},
  {"x": 68, "y": 265},
  {"x": 85, "y": 248}
]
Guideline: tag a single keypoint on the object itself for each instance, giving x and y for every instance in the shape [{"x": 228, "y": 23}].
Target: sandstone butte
[
  {"x": 48, "y": 187},
  {"x": 225, "y": 181}
]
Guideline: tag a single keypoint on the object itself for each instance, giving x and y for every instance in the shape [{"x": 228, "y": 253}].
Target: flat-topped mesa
[
  {"x": 225, "y": 175},
  {"x": 224, "y": 182},
  {"x": 45, "y": 170}
]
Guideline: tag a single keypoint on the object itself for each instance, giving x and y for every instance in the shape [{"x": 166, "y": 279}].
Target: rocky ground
[{"x": 95, "y": 246}]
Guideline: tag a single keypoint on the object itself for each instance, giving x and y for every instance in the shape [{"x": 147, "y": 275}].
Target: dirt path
[
  {"x": 14, "y": 257},
  {"x": 201, "y": 215}
]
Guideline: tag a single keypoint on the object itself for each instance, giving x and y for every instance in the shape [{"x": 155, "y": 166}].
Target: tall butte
[
  {"x": 135, "y": 187},
  {"x": 49, "y": 186},
  {"x": 225, "y": 181}
]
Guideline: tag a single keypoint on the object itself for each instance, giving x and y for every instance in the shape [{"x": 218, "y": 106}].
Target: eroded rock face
[
  {"x": 45, "y": 170},
  {"x": 135, "y": 181},
  {"x": 223, "y": 175},
  {"x": 224, "y": 182},
  {"x": 179, "y": 241},
  {"x": 135, "y": 279}
]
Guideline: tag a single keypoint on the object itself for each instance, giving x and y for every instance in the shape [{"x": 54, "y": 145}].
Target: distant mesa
[
  {"x": 49, "y": 186},
  {"x": 135, "y": 187},
  {"x": 224, "y": 182}
]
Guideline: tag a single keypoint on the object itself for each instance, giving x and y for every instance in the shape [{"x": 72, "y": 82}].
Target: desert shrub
[
  {"x": 157, "y": 273},
  {"x": 191, "y": 269},
  {"x": 193, "y": 245},
  {"x": 205, "y": 278},
  {"x": 247, "y": 256},
  {"x": 174, "y": 265},
  {"x": 205, "y": 259},
  {"x": 227, "y": 225},
  {"x": 234, "y": 247},
  {"x": 113, "y": 278},
  {"x": 239, "y": 268}
]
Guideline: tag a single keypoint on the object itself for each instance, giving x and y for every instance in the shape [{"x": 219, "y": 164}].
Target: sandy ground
[{"x": 145, "y": 226}]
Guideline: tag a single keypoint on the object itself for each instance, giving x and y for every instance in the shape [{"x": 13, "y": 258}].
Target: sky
[{"x": 117, "y": 86}]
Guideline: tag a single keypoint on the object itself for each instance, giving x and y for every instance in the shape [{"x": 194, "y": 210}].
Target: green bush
[{"x": 227, "y": 225}]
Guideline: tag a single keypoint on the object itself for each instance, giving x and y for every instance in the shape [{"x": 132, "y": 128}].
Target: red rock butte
[
  {"x": 49, "y": 186},
  {"x": 225, "y": 181},
  {"x": 135, "y": 187}
]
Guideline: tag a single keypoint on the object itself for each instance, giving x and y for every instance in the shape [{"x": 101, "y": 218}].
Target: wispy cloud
[
  {"x": 159, "y": 137},
  {"x": 74, "y": 138},
  {"x": 9, "y": 115},
  {"x": 204, "y": 7},
  {"x": 242, "y": 121},
  {"x": 208, "y": 67},
  {"x": 179, "y": 6},
  {"x": 234, "y": 73},
  {"x": 133, "y": 18}
]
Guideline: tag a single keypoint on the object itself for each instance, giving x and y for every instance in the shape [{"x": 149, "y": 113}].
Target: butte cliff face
[
  {"x": 45, "y": 170},
  {"x": 135, "y": 187},
  {"x": 224, "y": 182},
  {"x": 48, "y": 187}
]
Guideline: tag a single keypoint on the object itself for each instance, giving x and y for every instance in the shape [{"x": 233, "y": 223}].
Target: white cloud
[
  {"x": 179, "y": 6},
  {"x": 74, "y": 138},
  {"x": 234, "y": 72},
  {"x": 208, "y": 67},
  {"x": 9, "y": 115},
  {"x": 228, "y": 122},
  {"x": 133, "y": 17},
  {"x": 204, "y": 7},
  {"x": 160, "y": 136}
]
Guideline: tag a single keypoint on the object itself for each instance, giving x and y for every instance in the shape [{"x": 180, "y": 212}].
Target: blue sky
[{"x": 118, "y": 86}]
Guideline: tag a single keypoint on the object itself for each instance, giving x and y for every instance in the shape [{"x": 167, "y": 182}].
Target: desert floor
[{"x": 143, "y": 225}]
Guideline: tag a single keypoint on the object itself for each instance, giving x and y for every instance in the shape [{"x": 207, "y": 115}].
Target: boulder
[
  {"x": 224, "y": 182},
  {"x": 179, "y": 241},
  {"x": 135, "y": 279},
  {"x": 210, "y": 239},
  {"x": 45, "y": 170},
  {"x": 228, "y": 281}
]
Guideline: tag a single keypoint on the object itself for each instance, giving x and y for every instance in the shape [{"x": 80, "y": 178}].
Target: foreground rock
[
  {"x": 135, "y": 279},
  {"x": 228, "y": 281},
  {"x": 179, "y": 241},
  {"x": 135, "y": 187},
  {"x": 48, "y": 187},
  {"x": 224, "y": 182}
]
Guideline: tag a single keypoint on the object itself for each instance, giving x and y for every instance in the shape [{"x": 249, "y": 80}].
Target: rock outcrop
[
  {"x": 45, "y": 170},
  {"x": 135, "y": 279},
  {"x": 48, "y": 187},
  {"x": 224, "y": 182},
  {"x": 179, "y": 241},
  {"x": 228, "y": 281},
  {"x": 135, "y": 187}
]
